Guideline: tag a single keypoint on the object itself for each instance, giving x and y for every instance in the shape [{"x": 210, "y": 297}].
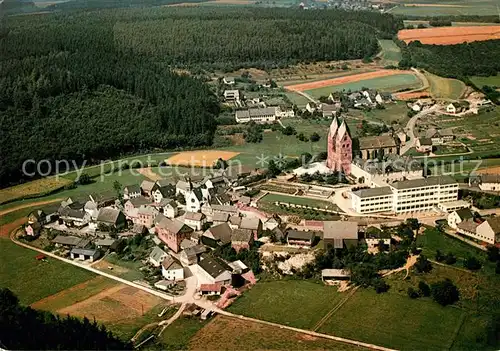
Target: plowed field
[{"x": 450, "y": 35}]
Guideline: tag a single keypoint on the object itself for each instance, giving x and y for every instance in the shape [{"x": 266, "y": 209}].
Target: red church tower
[{"x": 339, "y": 147}]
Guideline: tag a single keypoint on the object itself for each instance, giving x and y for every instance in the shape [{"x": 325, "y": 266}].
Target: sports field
[
  {"x": 391, "y": 83},
  {"x": 449, "y": 35}
]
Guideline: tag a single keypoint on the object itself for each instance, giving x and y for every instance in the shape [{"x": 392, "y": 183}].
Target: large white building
[
  {"x": 406, "y": 196},
  {"x": 259, "y": 115}
]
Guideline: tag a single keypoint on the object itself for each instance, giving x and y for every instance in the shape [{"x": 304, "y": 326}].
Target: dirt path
[
  {"x": 30, "y": 204},
  {"x": 7, "y": 228}
]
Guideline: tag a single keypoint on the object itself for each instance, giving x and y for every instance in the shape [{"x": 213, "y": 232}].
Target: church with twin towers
[{"x": 339, "y": 147}]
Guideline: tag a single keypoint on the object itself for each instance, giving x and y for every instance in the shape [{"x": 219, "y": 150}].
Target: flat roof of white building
[
  {"x": 373, "y": 192},
  {"x": 420, "y": 183}
]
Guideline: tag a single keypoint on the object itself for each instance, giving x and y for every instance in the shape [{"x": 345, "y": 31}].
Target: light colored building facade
[
  {"x": 406, "y": 196},
  {"x": 259, "y": 115}
]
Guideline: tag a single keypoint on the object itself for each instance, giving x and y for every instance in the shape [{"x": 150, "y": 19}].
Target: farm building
[
  {"x": 210, "y": 289},
  {"x": 131, "y": 191},
  {"x": 111, "y": 217},
  {"x": 335, "y": 274},
  {"x": 457, "y": 217},
  {"x": 214, "y": 271},
  {"x": 70, "y": 241},
  {"x": 488, "y": 182},
  {"x": 259, "y": 115},
  {"x": 85, "y": 254}
]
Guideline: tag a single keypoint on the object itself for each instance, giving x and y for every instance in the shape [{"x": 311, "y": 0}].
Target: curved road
[{"x": 410, "y": 126}]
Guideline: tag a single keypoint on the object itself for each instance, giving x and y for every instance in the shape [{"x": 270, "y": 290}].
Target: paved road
[{"x": 410, "y": 126}]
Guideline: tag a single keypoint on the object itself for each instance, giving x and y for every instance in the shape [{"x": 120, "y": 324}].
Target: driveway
[{"x": 410, "y": 128}]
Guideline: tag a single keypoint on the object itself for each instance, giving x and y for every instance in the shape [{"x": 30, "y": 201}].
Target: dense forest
[
  {"x": 96, "y": 85},
  {"x": 23, "y": 328}
]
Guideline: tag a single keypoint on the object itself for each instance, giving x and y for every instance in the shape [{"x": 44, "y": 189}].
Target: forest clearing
[{"x": 449, "y": 35}]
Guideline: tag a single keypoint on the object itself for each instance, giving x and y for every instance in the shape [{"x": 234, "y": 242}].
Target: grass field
[
  {"x": 391, "y": 53},
  {"x": 178, "y": 334},
  {"x": 395, "y": 321},
  {"x": 225, "y": 333},
  {"x": 391, "y": 83},
  {"x": 297, "y": 99},
  {"x": 393, "y": 113},
  {"x": 272, "y": 198},
  {"x": 32, "y": 280},
  {"x": 445, "y": 88},
  {"x": 491, "y": 81},
  {"x": 296, "y": 303}
]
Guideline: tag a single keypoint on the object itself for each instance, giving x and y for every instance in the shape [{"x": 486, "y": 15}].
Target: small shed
[{"x": 335, "y": 274}]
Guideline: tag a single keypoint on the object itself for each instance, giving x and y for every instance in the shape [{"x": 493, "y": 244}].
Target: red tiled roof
[{"x": 211, "y": 287}]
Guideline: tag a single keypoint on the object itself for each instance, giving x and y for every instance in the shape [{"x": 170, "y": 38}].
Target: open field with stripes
[{"x": 450, "y": 35}]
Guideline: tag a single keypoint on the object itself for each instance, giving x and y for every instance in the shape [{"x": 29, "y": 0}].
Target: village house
[
  {"x": 195, "y": 220},
  {"x": 330, "y": 111},
  {"x": 486, "y": 182},
  {"x": 252, "y": 224},
  {"x": 91, "y": 209},
  {"x": 217, "y": 235},
  {"x": 167, "y": 207},
  {"x": 146, "y": 216},
  {"x": 210, "y": 210},
  {"x": 232, "y": 95},
  {"x": 191, "y": 255},
  {"x": 229, "y": 80},
  {"x": 234, "y": 222},
  {"x": 171, "y": 270},
  {"x": 312, "y": 107},
  {"x": 300, "y": 238},
  {"x": 241, "y": 239},
  {"x": 456, "y": 217},
  {"x": 271, "y": 223},
  {"x": 111, "y": 217},
  {"x": 453, "y": 108},
  {"x": 468, "y": 228},
  {"x": 33, "y": 229},
  {"x": 131, "y": 191},
  {"x": 73, "y": 218},
  {"x": 85, "y": 254},
  {"x": 172, "y": 232},
  {"x": 131, "y": 207},
  {"x": 340, "y": 234},
  {"x": 424, "y": 145},
  {"x": 439, "y": 137},
  {"x": 162, "y": 190},
  {"x": 219, "y": 218},
  {"x": 37, "y": 216},
  {"x": 157, "y": 256},
  {"x": 147, "y": 187},
  {"x": 213, "y": 271},
  {"x": 489, "y": 231}
]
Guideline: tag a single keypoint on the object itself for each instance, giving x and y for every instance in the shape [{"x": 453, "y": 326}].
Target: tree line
[{"x": 23, "y": 328}]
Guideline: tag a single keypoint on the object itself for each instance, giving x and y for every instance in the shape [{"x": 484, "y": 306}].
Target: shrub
[
  {"x": 445, "y": 292},
  {"x": 424, "y": 289},
  {"x": 472, "y": 263},
  {"x": 450, "y": 258},
  {"x": 412, "y": 293},
  {"x": 493, "y": 253},
  {"x": 380, "y": 285},
  {"x": 423, "y": 265}
]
